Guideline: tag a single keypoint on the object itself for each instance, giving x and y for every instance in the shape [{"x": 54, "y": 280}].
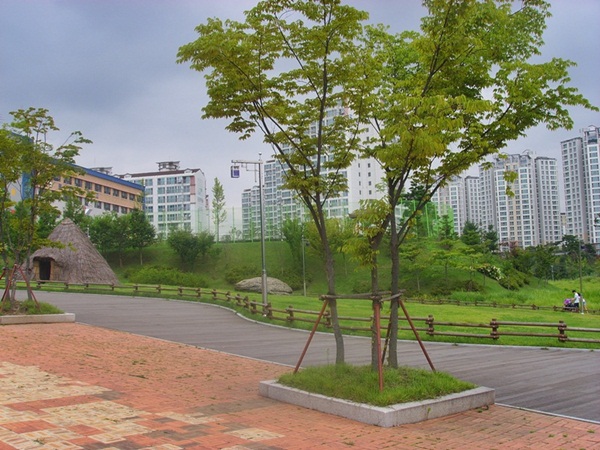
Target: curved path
[{"x": 556, "y": 381}]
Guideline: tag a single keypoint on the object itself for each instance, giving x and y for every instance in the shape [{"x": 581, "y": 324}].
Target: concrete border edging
[
  {"x": 390, "y": 416},
  {"x": 37, "y": 318}
]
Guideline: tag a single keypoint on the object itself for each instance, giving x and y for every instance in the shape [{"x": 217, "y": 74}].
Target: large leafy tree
[
  {"x": 38, "y": 164},
  {"x": 281, "y": 73},
  {"x": 457, "y": 91}
]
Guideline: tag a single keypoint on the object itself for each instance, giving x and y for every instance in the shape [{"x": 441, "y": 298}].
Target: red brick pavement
[{"x": 72, "y": 386}]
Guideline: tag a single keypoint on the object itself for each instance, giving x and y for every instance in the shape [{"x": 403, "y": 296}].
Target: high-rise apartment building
[
  {"x": 281, "y": 204},
  {"x": 175, "y": 198},
  {"x": 524, "y": 211},
  {"x": 363, "y": 176},
  {"x": 581, "y": 175},
  {"x": 450, "y": 201},
  {"x": 472, "y": 209}
]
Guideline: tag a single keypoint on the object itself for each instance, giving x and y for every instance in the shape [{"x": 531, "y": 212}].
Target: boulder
[{"x": 274, "y": 286}]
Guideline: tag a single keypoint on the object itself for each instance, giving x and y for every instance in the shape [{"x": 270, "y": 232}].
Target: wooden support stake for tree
[{"x": 312, "y": 333}]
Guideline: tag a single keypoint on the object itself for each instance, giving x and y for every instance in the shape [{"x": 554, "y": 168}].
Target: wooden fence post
[
  {"x": 494, "y": 333},
  {"x": 429, "y": 323},
  {"x": 290, "y": 311},
  {"x": 562, "y": 328}
]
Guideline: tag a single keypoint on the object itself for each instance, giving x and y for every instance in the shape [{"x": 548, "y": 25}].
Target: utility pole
[{"x": 256, "y": 166}]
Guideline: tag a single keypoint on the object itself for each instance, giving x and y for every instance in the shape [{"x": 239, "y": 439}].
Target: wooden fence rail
[{"x": 494, "y": 329}]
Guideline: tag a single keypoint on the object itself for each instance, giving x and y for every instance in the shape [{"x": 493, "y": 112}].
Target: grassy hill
[{"x": 454, "y": 279}]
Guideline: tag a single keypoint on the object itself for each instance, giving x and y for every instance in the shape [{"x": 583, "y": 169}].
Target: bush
[
  {"x": 490, "y": 271},
  {"x": 513, "y": 279},
  {"x": 361, "y": 287},
  {"x": 292, "y": 278},
  {"x": 165, "y": 275},
  {"x": 236, "y": 274}
]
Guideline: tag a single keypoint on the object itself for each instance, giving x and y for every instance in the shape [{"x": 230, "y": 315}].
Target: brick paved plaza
[{"x": 72, "y": 386}]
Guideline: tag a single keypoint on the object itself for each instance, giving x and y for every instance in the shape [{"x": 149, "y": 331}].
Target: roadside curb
[
  {"x": 391, "y": 416},
  {"x": 37, "y": 318}
]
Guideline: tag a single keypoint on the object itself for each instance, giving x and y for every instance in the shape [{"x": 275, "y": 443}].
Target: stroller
[{"x": 570, "y": 305}]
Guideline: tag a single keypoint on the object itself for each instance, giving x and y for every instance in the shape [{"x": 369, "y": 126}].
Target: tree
[
  {"x": 39, "y": 164},
  {"x": 141, "y": 232},
  {"x": 189, "y": 245},
  {"x": 457, "y": 91},
  {"x": 544, "y": 257},
  {"x": 293, "y": 234},
  {"x": 281, "y": 73},
  {"x": 75, "y": 211},
  {"x": 10, "y": 172},
  {"x": 471, "y": 235},
  {"x": 205, "y": 242},
  {"x": 218, "y": 206},
  {"x": 490, "y": 239},
  {"x": 101, "y": 231}
]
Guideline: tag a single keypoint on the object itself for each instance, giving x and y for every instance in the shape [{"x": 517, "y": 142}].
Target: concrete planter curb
[
  {"x": 386, "y": 417},
  {"x": 37, "y": 318}
]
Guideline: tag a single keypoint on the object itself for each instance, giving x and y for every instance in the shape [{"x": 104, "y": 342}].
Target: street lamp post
[{"x": 235, "y": 173}]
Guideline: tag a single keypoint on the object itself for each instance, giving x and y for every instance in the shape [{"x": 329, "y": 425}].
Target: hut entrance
[{"x": 45, "y": 268}]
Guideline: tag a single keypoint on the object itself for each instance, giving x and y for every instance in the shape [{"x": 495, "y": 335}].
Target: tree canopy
[{"x": 323, "y": 88}]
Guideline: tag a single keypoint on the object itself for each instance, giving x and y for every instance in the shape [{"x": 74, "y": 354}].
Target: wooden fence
[{"x": 494, "y": 330}]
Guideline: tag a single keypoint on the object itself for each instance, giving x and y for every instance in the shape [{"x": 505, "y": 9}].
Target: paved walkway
[
  {"x": 73, "y": 386},
  {"x": 565, "y": 382}
]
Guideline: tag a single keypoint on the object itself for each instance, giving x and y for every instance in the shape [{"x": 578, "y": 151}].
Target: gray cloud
[{"x": 107, "y": 68}]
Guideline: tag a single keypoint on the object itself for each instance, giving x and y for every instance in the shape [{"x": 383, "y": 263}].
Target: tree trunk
[
  {"x": 335, "y": 323},
  {"x": 395, "y": 273},
  {"x": 374, "y": 291},
  {"x": 330, "y": 273}
]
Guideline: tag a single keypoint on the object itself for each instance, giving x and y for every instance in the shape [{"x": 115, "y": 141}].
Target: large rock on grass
[{"x": 274, "y": 286}]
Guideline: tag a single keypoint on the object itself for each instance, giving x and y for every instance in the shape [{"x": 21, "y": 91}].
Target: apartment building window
[
  {"x": 78, "y": 182},
  {"x": 115, "y": 192},
  {"x": 124, "y": 194},
  {"x": 106, "y": 190},
  {"x": 88, "y": 185},
  {"x": 98, "y": 187},
  {"x": 107, "y": 206}
]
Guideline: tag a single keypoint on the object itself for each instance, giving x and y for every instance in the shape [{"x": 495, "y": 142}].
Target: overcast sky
[{"x": 107, "y": 68}]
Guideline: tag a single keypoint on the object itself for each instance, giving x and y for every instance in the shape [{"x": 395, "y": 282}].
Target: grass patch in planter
[{"x": 360, "y": 384}]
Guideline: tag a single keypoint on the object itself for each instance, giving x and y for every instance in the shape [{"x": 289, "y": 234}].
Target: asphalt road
[{"x": 555, "y": 381}]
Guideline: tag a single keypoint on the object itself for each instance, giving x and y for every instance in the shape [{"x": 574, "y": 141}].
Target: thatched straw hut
[{"x": 77, "y": 262}]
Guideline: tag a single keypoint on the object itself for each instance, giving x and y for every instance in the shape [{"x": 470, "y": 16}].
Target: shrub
[
  {"x": 361, "y": 287},
  {"x": 166, "y": 275},
  {"x": 236, "y": 274},
  {"x": 292, "y": 278},
  {"x": 490, "y": 271},
  {"x": 513, "y": 279}
]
